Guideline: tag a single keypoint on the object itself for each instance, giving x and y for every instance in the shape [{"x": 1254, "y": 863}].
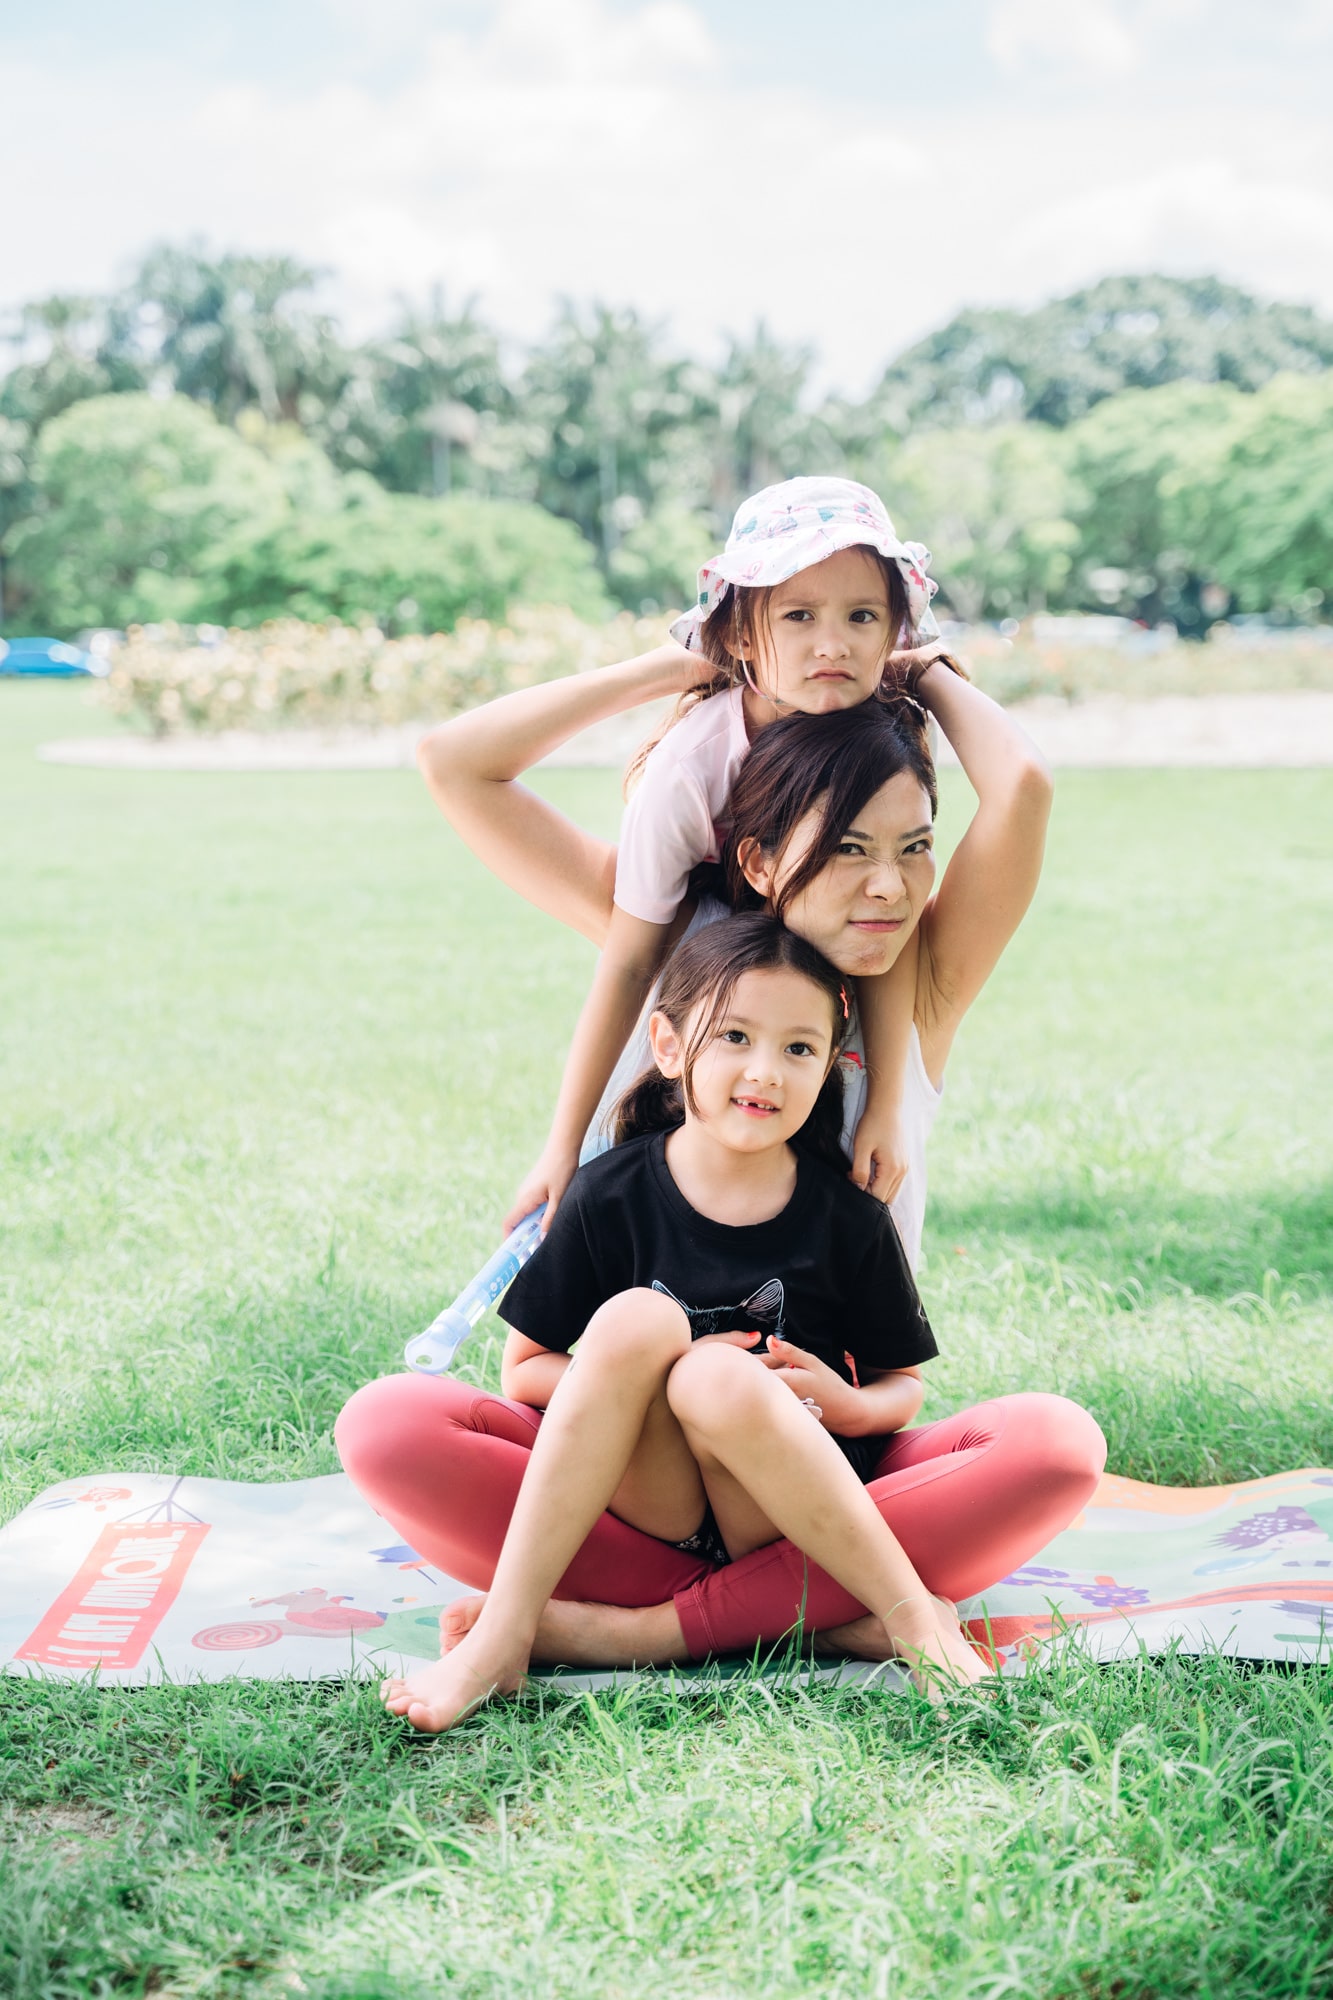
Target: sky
[{"x": 851, "y": 171}]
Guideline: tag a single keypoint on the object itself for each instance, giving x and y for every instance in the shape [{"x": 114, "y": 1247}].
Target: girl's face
[
  {"x": 865, "y": 903},
  {"x": 756, "y": 1079},
  {"x": 825, "y": 639}
]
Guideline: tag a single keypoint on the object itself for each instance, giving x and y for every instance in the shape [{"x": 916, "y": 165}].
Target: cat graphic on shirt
[{"x": 763, "y": 1310}]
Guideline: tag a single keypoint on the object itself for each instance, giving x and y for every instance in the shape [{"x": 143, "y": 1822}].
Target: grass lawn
[{"x": 276, "y": 1050}]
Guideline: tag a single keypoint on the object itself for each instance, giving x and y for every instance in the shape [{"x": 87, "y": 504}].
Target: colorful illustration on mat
[
  {"x": 142, "y": 1577},
  {"x": 154, "y": 1577},
  {"x": 1232, "y": 1567}
]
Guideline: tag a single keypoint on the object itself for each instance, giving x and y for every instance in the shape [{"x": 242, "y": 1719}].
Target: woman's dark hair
[
  {"x": 832, "y": 763},
  {"x": 731, "y": 637},
  {"x": 695, "y": 995}
]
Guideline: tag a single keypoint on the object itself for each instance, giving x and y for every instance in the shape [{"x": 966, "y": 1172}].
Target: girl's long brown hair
[
  {"x": 695, "y": 995},
  {"x": 731, "y": 636}
]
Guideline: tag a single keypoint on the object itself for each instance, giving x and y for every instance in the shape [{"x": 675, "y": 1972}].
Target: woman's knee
[
  {"x": 636, "y": 1329},
  {"x": 393, "y": 1421},
  {"x": 1057, "y": 1438}
]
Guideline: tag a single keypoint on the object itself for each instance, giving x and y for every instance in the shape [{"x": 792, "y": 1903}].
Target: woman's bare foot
[
  {"x": 570, "y": 1634},
  {"x": 949, "y": 1661},
  {"x": 441, "y": 1693},
  {"x": 941, "y": 1668}
]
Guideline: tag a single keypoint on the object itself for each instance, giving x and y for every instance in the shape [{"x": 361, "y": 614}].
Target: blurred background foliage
[{"x": 204, "y": 445}]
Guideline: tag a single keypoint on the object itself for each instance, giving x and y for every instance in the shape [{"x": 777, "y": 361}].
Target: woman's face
[{"x": 866, "y": 901}]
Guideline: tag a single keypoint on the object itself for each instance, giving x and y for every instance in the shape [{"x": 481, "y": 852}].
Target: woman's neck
[{"x": 726, "y": 1186}]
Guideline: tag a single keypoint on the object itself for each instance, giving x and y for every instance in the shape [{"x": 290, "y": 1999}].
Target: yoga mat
[{"x": 141, "y": 1577}]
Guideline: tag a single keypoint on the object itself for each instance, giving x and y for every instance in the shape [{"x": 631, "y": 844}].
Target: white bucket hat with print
[{"x": 799, "y": 522}]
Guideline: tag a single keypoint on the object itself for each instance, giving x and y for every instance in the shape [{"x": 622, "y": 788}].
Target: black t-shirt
[{"x": 827, "y": 1274}]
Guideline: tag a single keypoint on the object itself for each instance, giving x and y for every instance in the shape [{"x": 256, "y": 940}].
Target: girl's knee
[
  {"x": 639, "y": 1327},
  {"x": 714, "y": 1382}
]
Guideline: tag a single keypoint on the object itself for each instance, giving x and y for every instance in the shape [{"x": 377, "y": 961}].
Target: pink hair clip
[{"x": 842, "y": 995}]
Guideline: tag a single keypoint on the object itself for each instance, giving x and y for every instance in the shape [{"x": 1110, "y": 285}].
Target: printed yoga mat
[{"x": 140, "y": 1577}]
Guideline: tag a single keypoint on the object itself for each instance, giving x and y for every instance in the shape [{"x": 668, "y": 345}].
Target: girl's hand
[
  {"x": 546, "y": 1183},
  {"x": 813, "y": 1381},
  {"x": 880, "y": 1161}
]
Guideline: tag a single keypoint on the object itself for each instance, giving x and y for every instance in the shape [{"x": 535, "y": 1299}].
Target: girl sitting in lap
[{"x": 722, "y": 1220}]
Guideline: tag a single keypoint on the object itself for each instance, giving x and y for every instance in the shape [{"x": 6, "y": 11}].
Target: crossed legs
[{"x": 730, "y": 1432}]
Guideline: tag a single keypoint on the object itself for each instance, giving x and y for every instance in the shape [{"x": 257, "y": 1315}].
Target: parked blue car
[{"x": 53, "y": 659}]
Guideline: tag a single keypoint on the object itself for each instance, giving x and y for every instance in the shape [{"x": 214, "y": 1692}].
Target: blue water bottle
[{"x": 431, "y": 1352}]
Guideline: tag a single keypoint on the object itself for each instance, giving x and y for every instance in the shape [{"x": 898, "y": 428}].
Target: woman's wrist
[
  {"x": 669, "y": 669},
  {"x": 933, "y": 676}
]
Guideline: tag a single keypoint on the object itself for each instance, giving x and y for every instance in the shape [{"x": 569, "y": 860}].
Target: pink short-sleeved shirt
[{"x": 676, "y": 817}]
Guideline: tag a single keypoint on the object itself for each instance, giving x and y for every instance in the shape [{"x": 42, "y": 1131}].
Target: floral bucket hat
[{"x": 799, "y": 522}]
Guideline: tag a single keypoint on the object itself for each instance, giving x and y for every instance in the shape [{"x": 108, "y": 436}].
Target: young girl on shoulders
[
  {"x": 722, "y": 1220},
  {"x": 799, "y": 614}
]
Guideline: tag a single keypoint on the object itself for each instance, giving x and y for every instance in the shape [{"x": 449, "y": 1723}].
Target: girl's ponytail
[
  {"x": 653, "y": 1103},
  {"x": 821, "y": 1134}
]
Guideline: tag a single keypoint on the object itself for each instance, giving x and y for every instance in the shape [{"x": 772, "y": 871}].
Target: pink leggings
[{"x": 970, "y": 1498}]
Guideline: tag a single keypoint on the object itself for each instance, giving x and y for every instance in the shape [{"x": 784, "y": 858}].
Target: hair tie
[{"x": 842, "y": 995}]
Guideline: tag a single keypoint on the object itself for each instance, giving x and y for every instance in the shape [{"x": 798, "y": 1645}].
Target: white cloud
[
  {"x": 591, "y": 149},
  {"x": 1061, "y": 35}
]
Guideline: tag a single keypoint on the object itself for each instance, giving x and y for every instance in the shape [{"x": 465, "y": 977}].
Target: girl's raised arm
[
  {"x": 992, "y": 874},
  {"x": 472, "y": 766}
]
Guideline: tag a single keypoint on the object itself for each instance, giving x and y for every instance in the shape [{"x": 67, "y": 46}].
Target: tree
[
  {"x": 1260, "y": 508},
  {"x": 620, "y": 428},
  {"x": 655, "y": 564},
  {"x": 229, "y": 335},
  {"x": 404, "y": 563},
  {"x": 1149, "y": 465},
  {"x": 428, "y": 408},
  {"x": 762, "y": 432},
  {"x": 1055, "y": 363},
  {"x": 994, "y": 508},
  {"x": 68, "y": 348},
  {"x": 134, "y": 495}
]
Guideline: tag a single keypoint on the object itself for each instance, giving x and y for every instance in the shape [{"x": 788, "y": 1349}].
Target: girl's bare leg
[
  {"x": 771, "y": 1470},
  {"x": 613, "y": 1635},
  {"x": 579, "y": 1463}
]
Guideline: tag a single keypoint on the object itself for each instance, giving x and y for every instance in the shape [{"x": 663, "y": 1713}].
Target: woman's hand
[
  {"x": 685, "y": 669},
  {"x": 813, "y": 1381},
  {"x": 546, "y": 1182},
  {"x": 880, "y": 1162}
]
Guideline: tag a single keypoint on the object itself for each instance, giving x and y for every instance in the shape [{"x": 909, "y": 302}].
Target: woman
[{"x": 834, "y": 835}]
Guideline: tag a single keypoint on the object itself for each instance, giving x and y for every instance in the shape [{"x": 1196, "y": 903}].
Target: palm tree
[{"x": 228, "y": 334}]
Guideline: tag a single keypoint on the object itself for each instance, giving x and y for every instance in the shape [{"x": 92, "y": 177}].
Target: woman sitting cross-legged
[{"x": 831, "y": 831}]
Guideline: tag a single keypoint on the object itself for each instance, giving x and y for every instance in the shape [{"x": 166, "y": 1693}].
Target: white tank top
[{"x": 920, "y": 1106}]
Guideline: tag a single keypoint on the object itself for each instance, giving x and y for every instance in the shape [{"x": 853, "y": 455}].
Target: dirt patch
[
  {"x": 67, "y": 1830},
  {"x": 1287, "y": 729}
]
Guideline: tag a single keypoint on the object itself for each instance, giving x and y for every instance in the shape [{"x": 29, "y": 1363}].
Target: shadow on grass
[{"x": 1218, "y": 1246}]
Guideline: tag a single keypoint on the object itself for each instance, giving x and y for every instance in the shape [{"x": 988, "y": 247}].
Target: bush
[
  {"x": 149, "y": 510},
  {"x": 135, "y": 496},
  {"x": 405, "y": 564},
  {"x": 657, "y": 560},
  {"x": 294, "y": 674}
]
